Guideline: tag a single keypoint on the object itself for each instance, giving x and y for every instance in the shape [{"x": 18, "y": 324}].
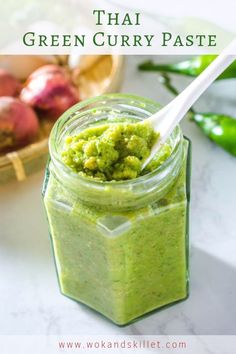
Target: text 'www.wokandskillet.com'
[{"x": 122, "y": 344}]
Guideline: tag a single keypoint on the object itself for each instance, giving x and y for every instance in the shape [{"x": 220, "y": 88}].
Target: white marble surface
[{"x": 30, "y": 302}]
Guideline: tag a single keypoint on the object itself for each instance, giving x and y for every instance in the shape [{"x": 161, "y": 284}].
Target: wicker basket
[{"x": 104, "y": 76}]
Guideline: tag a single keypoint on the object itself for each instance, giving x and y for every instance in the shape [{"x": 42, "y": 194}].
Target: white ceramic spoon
[{"x": 165, "y": 120}]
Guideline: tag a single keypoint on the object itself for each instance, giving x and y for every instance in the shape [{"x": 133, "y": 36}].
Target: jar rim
[{"x": 68, "y": 115}]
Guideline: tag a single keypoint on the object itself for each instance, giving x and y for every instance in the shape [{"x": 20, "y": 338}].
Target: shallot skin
[
  {"x": 18, "y": 123},
  {"x": 9, "y": 85},
  {"x": 48, "y": 69},
  {"x": 50, "y": 91}
]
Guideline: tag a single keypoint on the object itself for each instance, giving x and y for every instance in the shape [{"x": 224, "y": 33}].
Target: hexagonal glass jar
[{"x": 120, "y": 247}]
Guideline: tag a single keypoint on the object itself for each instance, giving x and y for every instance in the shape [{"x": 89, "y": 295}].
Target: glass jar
[{"x": 120, "y": 247}]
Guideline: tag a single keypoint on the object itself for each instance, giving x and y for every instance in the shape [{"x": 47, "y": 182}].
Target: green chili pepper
[
  {"x": 192, "y": 67},
  {"x": 219, "y": 128}
]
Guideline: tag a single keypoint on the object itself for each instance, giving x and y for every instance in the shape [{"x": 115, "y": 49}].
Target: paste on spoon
[{"x": 113, "y": 151}]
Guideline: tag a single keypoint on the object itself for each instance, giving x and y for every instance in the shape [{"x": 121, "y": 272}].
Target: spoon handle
[
  {"x": 189, "y": 96},
  {"x": 167, "y": 118},
  {"x": 204, "y": 80}
]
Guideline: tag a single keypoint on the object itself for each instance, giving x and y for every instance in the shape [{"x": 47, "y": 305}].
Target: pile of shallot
[{"x": 47, "y": 93}]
